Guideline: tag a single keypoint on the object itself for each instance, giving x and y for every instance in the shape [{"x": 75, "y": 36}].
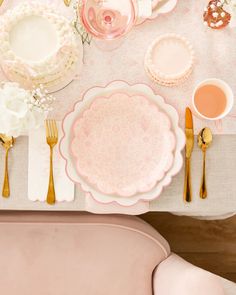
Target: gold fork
[{"x": 52, "y": 139}]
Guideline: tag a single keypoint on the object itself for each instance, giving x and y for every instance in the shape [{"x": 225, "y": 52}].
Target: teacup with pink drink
[{"x": 212, "y": 99}]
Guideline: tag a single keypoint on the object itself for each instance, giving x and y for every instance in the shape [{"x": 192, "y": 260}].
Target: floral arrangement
[
  {"x": 77, "y": 23},
  {"x": 220, "y": 13},
  {"x": 22, "y": 110}
]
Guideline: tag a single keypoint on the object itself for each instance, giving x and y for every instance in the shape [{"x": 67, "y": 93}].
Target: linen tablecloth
[{"x": 215, "y": 57}]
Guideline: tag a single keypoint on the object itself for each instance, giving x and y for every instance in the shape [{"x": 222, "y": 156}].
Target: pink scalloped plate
[
  {"x": 122, "y": 144},
  {"x": 84, "y": 131}
]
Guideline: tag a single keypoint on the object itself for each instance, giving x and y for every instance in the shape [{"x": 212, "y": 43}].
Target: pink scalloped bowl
[
  {"x": 69, "y": 127},
  {"x": 122, "y": 144}
]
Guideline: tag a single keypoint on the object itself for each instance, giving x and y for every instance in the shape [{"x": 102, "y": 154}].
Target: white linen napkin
[{"x": 38, "y": 169}]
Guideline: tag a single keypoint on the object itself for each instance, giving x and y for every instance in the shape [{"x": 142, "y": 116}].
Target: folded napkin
[{"x": 38, "y": 169}]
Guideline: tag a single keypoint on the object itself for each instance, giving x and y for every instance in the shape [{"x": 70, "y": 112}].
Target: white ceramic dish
[
  {"x": 88, "y": 98},
  {"x": 39, "y": 46},
  {"x": 161, "y": 62}
]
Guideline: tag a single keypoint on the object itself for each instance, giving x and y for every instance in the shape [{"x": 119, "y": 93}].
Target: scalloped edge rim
[
  {"x": 167, "y": 83},
  {"x": 89, "y": 96},
  {"x": 159, "y": 74}
]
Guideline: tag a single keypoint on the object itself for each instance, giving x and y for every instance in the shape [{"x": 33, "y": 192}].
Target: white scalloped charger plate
[{"x": 89, "y": 96}]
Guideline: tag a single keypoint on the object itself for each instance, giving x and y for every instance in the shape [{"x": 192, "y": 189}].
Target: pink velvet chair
[{"x": 48, "y": 254}]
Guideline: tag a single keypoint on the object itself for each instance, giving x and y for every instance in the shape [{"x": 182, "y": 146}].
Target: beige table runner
[{"x": 221, "y": 173}]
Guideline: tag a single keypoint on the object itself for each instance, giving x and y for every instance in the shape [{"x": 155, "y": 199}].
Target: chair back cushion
[{"x": 83, "y": 254}]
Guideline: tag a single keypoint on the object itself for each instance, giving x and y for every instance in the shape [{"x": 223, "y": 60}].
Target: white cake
[{"x": 38, "y": 46}]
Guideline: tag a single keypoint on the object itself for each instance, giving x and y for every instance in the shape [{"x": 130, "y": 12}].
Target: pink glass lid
[{"x": 108, "y": 19}]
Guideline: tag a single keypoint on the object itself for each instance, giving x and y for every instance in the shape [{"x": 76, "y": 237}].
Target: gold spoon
[
  {"x": 7, "y": 143},
  {"x": 204, "y": 140}
]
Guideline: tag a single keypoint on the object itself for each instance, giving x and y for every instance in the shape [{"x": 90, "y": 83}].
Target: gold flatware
[
  {"x": 188, "y": 152},
  {"x": 67, "y": 2},
  {"x": 1, "y": 2},
  {"x": 7, "y": 142},
  {"x": 204, "y": 141},
  {"x": 52, "y": 139}
]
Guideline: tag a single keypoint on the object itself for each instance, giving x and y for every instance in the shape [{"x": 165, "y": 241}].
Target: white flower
[
  {"x": 16, "y": 116},
  {"x": 230, "y": 7}
]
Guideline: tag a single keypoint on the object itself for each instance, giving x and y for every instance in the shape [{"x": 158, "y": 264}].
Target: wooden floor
[{"x": 207, "y": 244}]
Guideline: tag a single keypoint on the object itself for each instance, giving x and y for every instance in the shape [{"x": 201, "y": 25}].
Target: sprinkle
[
  {"x": 205, "y": 23},
  {"x": 219, "y": 4},
  {"x": 222, "y": 14},
  {"x": 215, "y": 14},
  {"x": 212, "y": 6},
  {"x": 212, "y": 25},
  {"x": 219, "y": 23}
]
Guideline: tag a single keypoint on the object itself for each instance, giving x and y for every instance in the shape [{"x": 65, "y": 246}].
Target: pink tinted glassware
[{"x": 108, "y": 19}]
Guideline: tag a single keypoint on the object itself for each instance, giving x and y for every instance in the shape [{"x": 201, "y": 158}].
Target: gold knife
[{"x": 188, "y": 152}]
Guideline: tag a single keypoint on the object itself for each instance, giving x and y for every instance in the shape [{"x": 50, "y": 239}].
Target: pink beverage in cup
[
  {"x": 213, "y": 99},
  {"x": 108, "y": 19}
]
